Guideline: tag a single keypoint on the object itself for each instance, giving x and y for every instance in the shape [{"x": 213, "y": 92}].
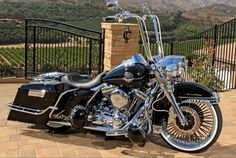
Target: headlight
[
  {"x": 169, "y": 73},
  {"x": 181, "y": 71},
  {"x": 172, "y": 71},
  {"x": 175, "y": 71}
]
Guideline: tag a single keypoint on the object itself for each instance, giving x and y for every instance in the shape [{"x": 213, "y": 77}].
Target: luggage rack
[{"x": 18, "y": 108}]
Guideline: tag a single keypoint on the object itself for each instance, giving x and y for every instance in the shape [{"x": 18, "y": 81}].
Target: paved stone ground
[{"x": 25, "y": 140}]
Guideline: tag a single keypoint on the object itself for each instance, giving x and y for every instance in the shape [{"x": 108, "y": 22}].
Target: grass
[{"x": 48, "y": 58}]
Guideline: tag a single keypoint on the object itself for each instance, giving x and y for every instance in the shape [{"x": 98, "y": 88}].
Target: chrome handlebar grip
[{"x": 108, "y": 18}]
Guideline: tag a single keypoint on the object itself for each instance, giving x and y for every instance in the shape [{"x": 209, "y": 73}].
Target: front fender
[
  {"x": 184, "y": 91},
  {"x": 192, "y": 90}
]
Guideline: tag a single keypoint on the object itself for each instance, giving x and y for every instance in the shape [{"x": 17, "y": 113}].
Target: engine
[{"x": 113, "y": 109}]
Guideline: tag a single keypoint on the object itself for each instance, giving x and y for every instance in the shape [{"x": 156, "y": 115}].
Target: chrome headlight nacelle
[{"x": 173, "y": 71}]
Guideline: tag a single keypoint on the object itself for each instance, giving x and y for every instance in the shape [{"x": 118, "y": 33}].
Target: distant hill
[
  {"x": 175, "y": 21},
  {"x": 167, "y": 5},
  {"x": 214, "y": 13},
  {"x": 175, "y": 5}
]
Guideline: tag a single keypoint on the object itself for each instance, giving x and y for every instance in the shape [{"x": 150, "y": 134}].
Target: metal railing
[
  {"x": 55, "y": 46},
  {"x": 223, "y": 38}
]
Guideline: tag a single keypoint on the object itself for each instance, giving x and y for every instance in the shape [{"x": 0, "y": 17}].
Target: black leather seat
[{"x": 82, "y": 81}]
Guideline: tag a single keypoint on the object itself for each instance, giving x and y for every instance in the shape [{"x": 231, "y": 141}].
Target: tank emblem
[{"x": 128, "y": 77}]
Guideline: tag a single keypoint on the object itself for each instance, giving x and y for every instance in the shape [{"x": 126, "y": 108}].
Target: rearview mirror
[{"x": 112, "y": 5}]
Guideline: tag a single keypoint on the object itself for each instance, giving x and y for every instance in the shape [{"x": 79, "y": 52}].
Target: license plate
[{"x": 37, "y": 93}]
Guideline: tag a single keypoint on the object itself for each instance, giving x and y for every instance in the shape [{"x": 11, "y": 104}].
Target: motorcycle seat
[{"x": 82, "y": 81}]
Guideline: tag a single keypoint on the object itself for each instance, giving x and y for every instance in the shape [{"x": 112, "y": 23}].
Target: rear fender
[{"x": 37, "y": 110}]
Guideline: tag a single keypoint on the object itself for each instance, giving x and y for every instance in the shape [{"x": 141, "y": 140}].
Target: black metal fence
[
  {"x": 223, "y": 39},
  {"x": 55, "y": 46}
]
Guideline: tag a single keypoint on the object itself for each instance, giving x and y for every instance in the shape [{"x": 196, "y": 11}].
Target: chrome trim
[
  {"x": 109, "y": 130},
  {"x": 133, "y": 103},
  {"x": 118, "y": 79},
  {"x": 197, "y": 98},
  {"x": 140, "y": 94},
  {"x": 29, "y": 110},
  {"x": 58, "y": 100},
  {"x": 209, "y": 102},
  {"x": 171, "y": 98},
  {"x": 97, "y": 90},
  {"x": 64, "y": 93},
  {"x": 59, "y": 123},
  {"x": 141, "y": 110},
  {"x": 214, "y": 98},
  {"x": 119, "y": 98},
  {"x": 98, "y": 128},
  {"x": 116, "y": 133},
  {"x": 203, "y": 101}
]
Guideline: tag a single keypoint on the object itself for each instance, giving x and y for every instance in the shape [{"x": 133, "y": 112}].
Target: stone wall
[{"x": 116, "y": 49}]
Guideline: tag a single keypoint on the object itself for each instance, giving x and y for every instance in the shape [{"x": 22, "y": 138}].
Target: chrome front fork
[{"x": 171, "y": 98}]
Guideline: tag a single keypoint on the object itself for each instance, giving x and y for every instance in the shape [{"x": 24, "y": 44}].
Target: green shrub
[{"x": 203, "y": 71}]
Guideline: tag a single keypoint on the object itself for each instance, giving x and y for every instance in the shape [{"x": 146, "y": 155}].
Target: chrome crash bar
[{"x": 17, "y": 108}]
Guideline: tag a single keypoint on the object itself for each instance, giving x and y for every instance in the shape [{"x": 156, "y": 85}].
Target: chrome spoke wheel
[{"x": 201, "y": 130}]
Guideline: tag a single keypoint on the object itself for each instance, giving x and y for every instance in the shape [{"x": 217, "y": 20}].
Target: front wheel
[{"x": 203, "y": 129}]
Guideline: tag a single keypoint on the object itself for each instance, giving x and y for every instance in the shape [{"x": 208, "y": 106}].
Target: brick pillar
[{"x": 116, "y": 49}]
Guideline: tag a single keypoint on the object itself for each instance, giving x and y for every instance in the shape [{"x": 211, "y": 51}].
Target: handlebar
[{"x": 120, "y": 16}]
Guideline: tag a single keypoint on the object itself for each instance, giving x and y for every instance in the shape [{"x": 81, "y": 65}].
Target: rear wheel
[{"x": 203, "y": 129}]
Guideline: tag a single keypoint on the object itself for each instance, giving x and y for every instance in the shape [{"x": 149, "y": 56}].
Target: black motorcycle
[{"x": 134, "y": 99}]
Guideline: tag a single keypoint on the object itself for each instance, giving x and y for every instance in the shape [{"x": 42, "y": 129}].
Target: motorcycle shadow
[
  {"x": 76, "y": 137},
  {"x": 155, "y": 147},
  {"x": 98, "y": 141}
]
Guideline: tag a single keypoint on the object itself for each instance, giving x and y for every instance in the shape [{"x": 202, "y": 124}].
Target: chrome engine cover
[
  {"x": 113, "y": 110},
  {"x": 113, "y": 117},
  {"x": 119, "y": 98}
]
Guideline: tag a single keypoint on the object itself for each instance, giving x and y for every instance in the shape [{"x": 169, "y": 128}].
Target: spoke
[
  {"x": 205, "y": 110},
  {"x": 207, "y": 124},
  {"x": 200, "y": 133},
  {"x": 202, "y": 106},
  {"x": 208, "y": 120},
  {"x": 205, "y": 131},
  {"x": 208, "y": 115},
  {"x": 171, "y": 131},
  {"x": 207, "y": 127}
]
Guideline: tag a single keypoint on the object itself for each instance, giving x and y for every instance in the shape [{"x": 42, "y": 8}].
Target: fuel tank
[{"x": 129, "y": 73}]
